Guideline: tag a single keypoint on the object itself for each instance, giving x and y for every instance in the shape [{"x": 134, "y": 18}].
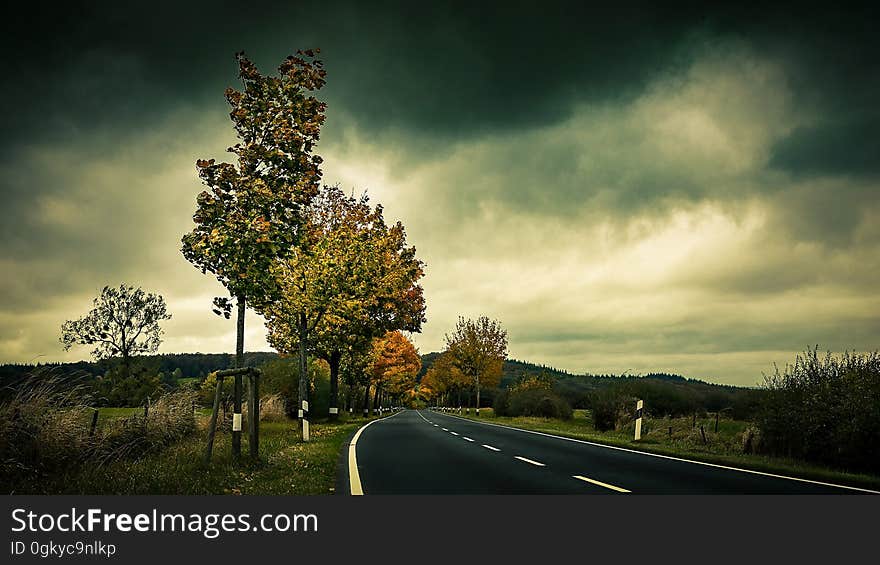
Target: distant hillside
[
  {"x": 196, "y": 365},
  {"x": 675, "y": 393},
  {"x": 512, "y": 369}
]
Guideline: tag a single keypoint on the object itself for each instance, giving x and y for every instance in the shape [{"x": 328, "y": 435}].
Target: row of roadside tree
[{"x": 324, "y": 268}]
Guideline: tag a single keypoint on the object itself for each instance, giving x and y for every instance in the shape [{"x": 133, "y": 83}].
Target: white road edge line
[
  {"x": 600, "y": 483},
  {"x": 466, "y": 438},
  {"x": 490, "y": 447},
  {"x": 704, "y": 463},
  {"x": 527, "y": 460},
  {"x": 354, "y": 478}
]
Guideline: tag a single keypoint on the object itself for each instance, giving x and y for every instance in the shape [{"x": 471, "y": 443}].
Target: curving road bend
[{"x": 426, "y": 452}]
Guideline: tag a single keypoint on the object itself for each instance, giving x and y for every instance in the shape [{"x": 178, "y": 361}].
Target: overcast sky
[{"x": 687, "y": 191}]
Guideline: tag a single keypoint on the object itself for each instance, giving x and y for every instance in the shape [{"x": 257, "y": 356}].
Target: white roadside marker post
[
  {"x": 639, "y": 405},
  {"x": 305, "y": 420}
]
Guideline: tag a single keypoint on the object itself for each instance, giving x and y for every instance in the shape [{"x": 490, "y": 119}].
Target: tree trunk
[
  {"x": 366, "y": 400},
  {"x": 335, "y": 359},
  {"x": 376, "y": 399},
  {"x": 239, "y": 363},
  {"x": 303, "y": 370},
  {"x": 126, "y": 371},
  {"x": 478, "y": 395}
]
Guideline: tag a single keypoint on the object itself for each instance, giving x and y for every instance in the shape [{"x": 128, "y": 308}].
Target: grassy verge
[
  {"x": 686, "y": 441},
  {"x": 106, "y": 413},
  {"x": 287, "y": 466}
]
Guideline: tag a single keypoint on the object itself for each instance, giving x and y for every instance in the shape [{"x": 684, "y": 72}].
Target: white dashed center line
[
  {"x": 491, "y": 448},
  {"x": 444, "y": 429},
  {"x": 533, "y": 462},
  {"x": 466, "y": 438},
  {"x": 453, "y": 433}
]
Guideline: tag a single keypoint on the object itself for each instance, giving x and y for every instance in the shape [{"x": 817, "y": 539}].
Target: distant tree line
[
  {"x": 148, "y": 374},
  {"x": 665, "y": 394}
]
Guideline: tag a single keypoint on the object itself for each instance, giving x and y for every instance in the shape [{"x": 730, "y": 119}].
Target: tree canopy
[
  {"x": 442, "y": 377},
  {"x": 395, "y": 363},
  {"x": 351, "y": 278},
  {"x": 251, "y": 213},
  {"x": 478, "y": 349},
  {"x": 124, "y": 322}
]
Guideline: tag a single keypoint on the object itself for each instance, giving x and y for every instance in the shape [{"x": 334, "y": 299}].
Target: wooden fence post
[
  {"x": 146, "y": 412},
  {"x": 94, "y": 423},
  {"x": 254, "y": 414},
  {"x": 212, "y": 426}
]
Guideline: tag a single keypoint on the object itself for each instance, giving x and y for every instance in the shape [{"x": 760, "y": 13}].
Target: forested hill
[
  {"x": 191, "y": 365},
  {"x": 675, "y": 393},
  {"x": 514, "y": 369}
]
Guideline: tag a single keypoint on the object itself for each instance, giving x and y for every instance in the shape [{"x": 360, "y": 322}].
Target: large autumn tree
[
  {"x": 392, "y": 300},
  {"x": 123, "y": 323},
  {"x": 443, "y": 378},
  {"x": 395, "y": 364},
  {"x": 352, "y": 278},
  {"x": 250, "y": 216},
  {"x": 478, "y": 349}
]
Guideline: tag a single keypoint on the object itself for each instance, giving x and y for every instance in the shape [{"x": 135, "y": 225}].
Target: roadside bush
[
  {"x": 281, "y": 377},
  {"x": 539, "y": 402},
  {"x": 824, "y": 409},
  {"x": 115, "y": 388},
  {"x": 501, "y": 406},
  {"x": 609, "y": 408}
]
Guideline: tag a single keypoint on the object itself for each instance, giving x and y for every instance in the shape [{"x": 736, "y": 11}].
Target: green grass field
[
  {"x": 107, "y": 414},
  {"x": 685, "y": 440},
  {"x": 287, "y": 466}
]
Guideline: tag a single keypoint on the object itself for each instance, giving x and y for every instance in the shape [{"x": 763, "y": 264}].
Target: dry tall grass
[{"x": 45, "y": 430}]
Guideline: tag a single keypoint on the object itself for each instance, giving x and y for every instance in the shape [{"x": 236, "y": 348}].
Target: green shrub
[
  {"x": 539, "y": 402},
  {"x": 608, "y": 406},
  {"x": 825, "y": 409},
  {"x": 501, "y": 406},
  {"x": 281, "y": 377}
]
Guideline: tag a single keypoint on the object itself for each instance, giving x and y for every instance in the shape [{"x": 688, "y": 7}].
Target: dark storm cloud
[
  {"x": 849, "y": 146},
  {"x": 439, "y": 68},
  {"x": 646, "y": 184}
]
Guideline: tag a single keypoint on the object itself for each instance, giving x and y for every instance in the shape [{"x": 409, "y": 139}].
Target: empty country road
[{"x": 426, "y": 452}]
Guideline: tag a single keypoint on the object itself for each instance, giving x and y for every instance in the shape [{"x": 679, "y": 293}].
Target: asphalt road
[{"x": 426, "y": 452}]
